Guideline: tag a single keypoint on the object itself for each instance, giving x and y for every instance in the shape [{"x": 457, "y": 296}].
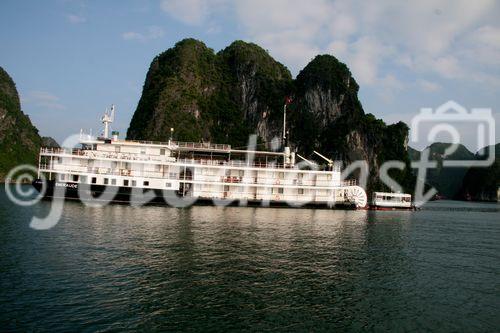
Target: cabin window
[
  {"x": 226, "y": 188},
  {"x": 281, "y": 175},
  {"x": 280, "y": 190},
  {"x": 300, "y": 191},
  {"x": 113, "y": 181},
  {"x": 62, "y": 177},
  {"x": 106, "y": 181},
  {"x": 146, "y": 183},
  {"x": 125, "y": 182},
  {"x": 162, "y": 151},
  {"x": 94, "y": 180},
  {"x": 172, "y": 175},
  {"x": 75, "y": 178},
  {"x": 167, "y": 184},
  {"x": 117, "y": 149},
  {"x": 228, "y": 172},
  {"x": 242, "y": 173},
  {"x": 300, "y": 175},
  {"x": 59, "y": 160},
  {"x": 134, "y": 183}
]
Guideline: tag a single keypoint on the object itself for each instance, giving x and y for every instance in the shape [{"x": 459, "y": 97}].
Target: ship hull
[
  {"x": 94, "y": 193},
  {"x": 386, "y": 208}
]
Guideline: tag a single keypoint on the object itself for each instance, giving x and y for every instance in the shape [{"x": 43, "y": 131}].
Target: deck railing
[
  {"x": 244, "y": 180},
  {"x": 96, "y": 154},
  {"x": 201, "y": 145},
  {"x": 234, "y": 163},
  {"x": 181, "y": 144},
  {"x": 93, "y": 154}
]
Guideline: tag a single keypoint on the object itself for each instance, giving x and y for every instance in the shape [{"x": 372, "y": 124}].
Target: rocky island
[{"x": 225, "y": 96}]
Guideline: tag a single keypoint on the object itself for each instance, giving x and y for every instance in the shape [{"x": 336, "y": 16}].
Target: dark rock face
[
  {"x": 464, "y": 183},
  {"x": 224, "y": 97},
  {"x": 258, "y": 87},
  {"x": 327, "y": 116},
  {"x": 19, "y": 139},
  {"x": 483, "y": 184},
  {"x": 49, "y": 142}
]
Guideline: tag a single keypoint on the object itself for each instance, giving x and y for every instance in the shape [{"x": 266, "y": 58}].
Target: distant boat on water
[{"x": 391, "y": 201}]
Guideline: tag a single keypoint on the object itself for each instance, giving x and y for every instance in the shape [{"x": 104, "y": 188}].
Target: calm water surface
[{"x": 121, "y": 268}]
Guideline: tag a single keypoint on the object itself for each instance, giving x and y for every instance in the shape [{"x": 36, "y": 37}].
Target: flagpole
[{"x": 284, "y": 125}]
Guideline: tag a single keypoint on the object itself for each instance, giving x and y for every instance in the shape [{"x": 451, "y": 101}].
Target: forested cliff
[{"x": 19, "y": 139}]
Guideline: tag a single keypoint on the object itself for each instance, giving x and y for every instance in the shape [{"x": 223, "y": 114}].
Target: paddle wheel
[{"x": 357, "y": 195}]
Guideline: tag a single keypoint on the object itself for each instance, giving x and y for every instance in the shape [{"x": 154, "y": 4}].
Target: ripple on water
[{"x": 207, "y": 268}]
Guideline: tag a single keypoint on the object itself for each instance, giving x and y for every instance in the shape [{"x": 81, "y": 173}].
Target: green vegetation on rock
[
  {"x": 200, "y": 93},
  {"x": 328, "y": 116},
  {"x": 49, "y": 142},
  {"x": 19, "y": 139}
]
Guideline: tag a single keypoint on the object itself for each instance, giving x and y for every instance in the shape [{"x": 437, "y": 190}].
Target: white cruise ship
[{"x": 184, "y": 173}]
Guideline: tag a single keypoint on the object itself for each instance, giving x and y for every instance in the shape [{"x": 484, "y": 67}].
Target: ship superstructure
[{"x": 204, "y": 172}]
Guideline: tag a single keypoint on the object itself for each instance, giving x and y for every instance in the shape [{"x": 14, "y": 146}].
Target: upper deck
[
  {"x": 182, "y": 146},
  {"x": 199, "y": 153},
  {"x": 163, "y": 159}
]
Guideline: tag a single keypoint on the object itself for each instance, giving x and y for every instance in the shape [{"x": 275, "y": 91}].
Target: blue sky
[{"x": 72, "y": 59}]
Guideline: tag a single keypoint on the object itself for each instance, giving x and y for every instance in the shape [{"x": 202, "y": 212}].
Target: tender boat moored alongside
[{"x": 391, "y": 201}]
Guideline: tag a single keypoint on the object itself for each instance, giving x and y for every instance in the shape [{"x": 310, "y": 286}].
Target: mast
[{"x": 107, "y": 119}]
